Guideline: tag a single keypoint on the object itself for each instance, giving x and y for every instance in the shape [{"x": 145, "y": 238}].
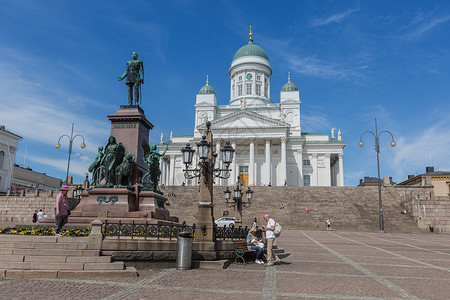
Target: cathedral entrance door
[{"x": 243, "y": 175}]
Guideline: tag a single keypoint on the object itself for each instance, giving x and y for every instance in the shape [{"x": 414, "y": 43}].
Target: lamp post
[
  {"x": 71, "y": 138},
  {"x": 376, "y": 135},
  {"x": 206, "y": 172},
  {"x": 237, "y": 202}
]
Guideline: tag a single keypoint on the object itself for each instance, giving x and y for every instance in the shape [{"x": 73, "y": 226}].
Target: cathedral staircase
[
  {"x": 349, "y": 208},
  {"x": 55, "y": 257}
]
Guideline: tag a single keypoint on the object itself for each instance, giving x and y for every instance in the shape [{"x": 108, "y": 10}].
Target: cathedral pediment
[{"x": 245, "y": 119}]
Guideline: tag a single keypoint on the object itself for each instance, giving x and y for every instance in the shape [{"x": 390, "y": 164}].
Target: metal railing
[
  {"x": 144, "y": 230},
  {"x": 231, "y": 232}
]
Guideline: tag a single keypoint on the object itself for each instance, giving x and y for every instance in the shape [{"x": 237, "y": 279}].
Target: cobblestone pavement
[{"x": 323, "y": 265}]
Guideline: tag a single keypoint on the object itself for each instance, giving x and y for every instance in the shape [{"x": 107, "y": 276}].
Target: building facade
[
  {"x": 440, "y": 180},
  {"x": 271, "y": 148},
  {"x": 8, "y": 148}
]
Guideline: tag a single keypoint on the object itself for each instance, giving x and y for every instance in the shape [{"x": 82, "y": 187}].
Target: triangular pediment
[{"x": 245, "y": 119}]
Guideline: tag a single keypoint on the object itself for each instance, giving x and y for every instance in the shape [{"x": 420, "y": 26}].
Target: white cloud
[
  {"x": 428, "y": 26},
  {"x": 315, "y": 67},
  {"x": 336, "y": 18},
  {"x": 428, "y": 146}
]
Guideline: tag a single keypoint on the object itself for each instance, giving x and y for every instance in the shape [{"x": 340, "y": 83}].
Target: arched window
[{"x": 2, "y": 158}]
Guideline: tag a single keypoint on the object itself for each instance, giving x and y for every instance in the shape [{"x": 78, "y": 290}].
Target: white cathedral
[{"x": 270, "y": 147}]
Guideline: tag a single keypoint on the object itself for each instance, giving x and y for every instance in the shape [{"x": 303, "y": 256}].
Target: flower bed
[{"x": 46, "y": 231}]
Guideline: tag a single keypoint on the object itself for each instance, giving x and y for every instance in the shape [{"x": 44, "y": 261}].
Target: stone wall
[{"x": 433, "y": 210}]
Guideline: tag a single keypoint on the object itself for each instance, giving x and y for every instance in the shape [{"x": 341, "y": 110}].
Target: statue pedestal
[{"x": 130, "y": 126}]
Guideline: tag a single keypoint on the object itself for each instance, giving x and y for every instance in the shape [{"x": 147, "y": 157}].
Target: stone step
[
  {"x": 11, "y": 273},
  {"x": 40, "y": 266},
  {"x": 12, "y": 258},
  {"x": 54, "y": 252},
  {"x": 117, "y": 265},
  {"x": 28, "y": 245}
]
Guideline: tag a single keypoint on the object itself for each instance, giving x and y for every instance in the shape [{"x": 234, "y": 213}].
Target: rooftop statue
[{"x": 135, "y": 77}]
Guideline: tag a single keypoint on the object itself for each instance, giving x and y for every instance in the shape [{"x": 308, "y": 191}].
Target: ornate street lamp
[
  {"x": 204, "y": 149},
  {"x": 237, "y": 202},
  {"x": 71, "y": 138},
  {"x": 206, "y": 172},
  {"x": 376, "y": 135}
]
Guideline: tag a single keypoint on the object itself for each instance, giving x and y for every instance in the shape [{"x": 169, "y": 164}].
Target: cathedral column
[
  {"x": 327, "y": 170},
  {"x": 218, "y": 159},
  {"x": 251, "y": 167},
  {"x": 283, "y": 160},
  {"x": 341, "y": 170},
  {"x": 161, "y": 166},
  {"x": 232, "y": 178},
  {"x": 268, "y": 169},
  {"x": 300, "y": 167},
  {"x": 315, "y": 174},
  {"x": 172, "y": 169}
]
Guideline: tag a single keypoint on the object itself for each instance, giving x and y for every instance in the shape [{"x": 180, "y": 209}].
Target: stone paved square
[{"x": 323, "y": 265}]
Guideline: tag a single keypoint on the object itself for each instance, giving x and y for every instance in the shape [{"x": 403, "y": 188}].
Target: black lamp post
[
  {"x": 206, "y": 172},
  {"x": 71, "y": 138},
  {"x": 376, "y": 135},
  {"x": 237, "y": 202}
]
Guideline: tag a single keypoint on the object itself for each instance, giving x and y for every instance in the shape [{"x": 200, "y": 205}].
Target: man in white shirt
[
  {"x": 40, "y": 214},
  {"x": 270, "y": 237}
]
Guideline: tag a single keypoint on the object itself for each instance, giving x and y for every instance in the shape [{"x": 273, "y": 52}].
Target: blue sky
[{"x": 352, "y": 61}]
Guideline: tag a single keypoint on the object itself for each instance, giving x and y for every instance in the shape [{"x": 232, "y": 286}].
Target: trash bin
[{"x": 184, "y": 250}]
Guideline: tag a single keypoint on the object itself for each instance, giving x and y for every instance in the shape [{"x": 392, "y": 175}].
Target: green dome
[
  {"x": 250, "y": 50},
  {"x": 289, "y": 86},
  {"x": 207, "y": 89}
]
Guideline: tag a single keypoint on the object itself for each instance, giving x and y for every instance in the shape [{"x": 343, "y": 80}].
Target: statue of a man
[{"x": 135, "y": 77}]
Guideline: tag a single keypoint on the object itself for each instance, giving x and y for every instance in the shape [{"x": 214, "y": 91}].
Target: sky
[{"x": 352, "y": 61}]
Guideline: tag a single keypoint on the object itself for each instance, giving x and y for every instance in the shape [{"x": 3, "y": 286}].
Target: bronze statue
[
  {"x": 135, "y": 77},
  {"x": 125, "y": 170},
  {"x": 151, "y": 157},
  {"x": 96, "y": 167},
  {"x": 113, "y": 156}
]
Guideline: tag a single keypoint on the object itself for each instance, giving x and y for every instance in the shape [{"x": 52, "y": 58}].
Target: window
[
  {"x": 2, "y": 158},
  {"x": 306, "y": 180},
  {"x": 258, "y": 89},
  {"x": 306, "y": 162},
  {"x": 232, "y": 90},
  {"x": 240, "y": 78},
  {"x": 249, "y": 88},
  {"x": 258, "y": 77},
  {"x": 240, "y": 90},
  {"x": 243, "y": 169}
]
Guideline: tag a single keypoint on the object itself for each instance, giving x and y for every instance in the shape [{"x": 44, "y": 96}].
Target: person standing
[
  {"x": 62, "y": 209},
  {"x": 254, "y": 223},
  {"x": 328, "y": 224},
  {"x": 272, "y": 258}
]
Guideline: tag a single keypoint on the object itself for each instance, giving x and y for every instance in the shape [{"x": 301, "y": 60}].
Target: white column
[
  {"x": 251, "y": 167},
  {"x": 161, "y": 166},
  {"x": 268, "y": 169},
  {"x": 327, "y": 170},
  {"x": 300, "y": 167},
  {"x": 218, "y": 159},
  {"x": 166, "y": 169},
  {"x": 315, "y": 174},
  {"x": 232, "y": 179},
  {"x": 341, "y": 170},
  {"x": 283, "y": 160},
  {"x": 172, "y": 169}
]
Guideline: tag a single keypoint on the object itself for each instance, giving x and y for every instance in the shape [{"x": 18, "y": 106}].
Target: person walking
[
  {"x": 61, "y": 210},
  {"x": 272, "y": 258},
  {"x": 328, "y": 224}
]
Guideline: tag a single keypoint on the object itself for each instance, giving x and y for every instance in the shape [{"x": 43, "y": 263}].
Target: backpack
[{"x": 277, "y": 230}]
